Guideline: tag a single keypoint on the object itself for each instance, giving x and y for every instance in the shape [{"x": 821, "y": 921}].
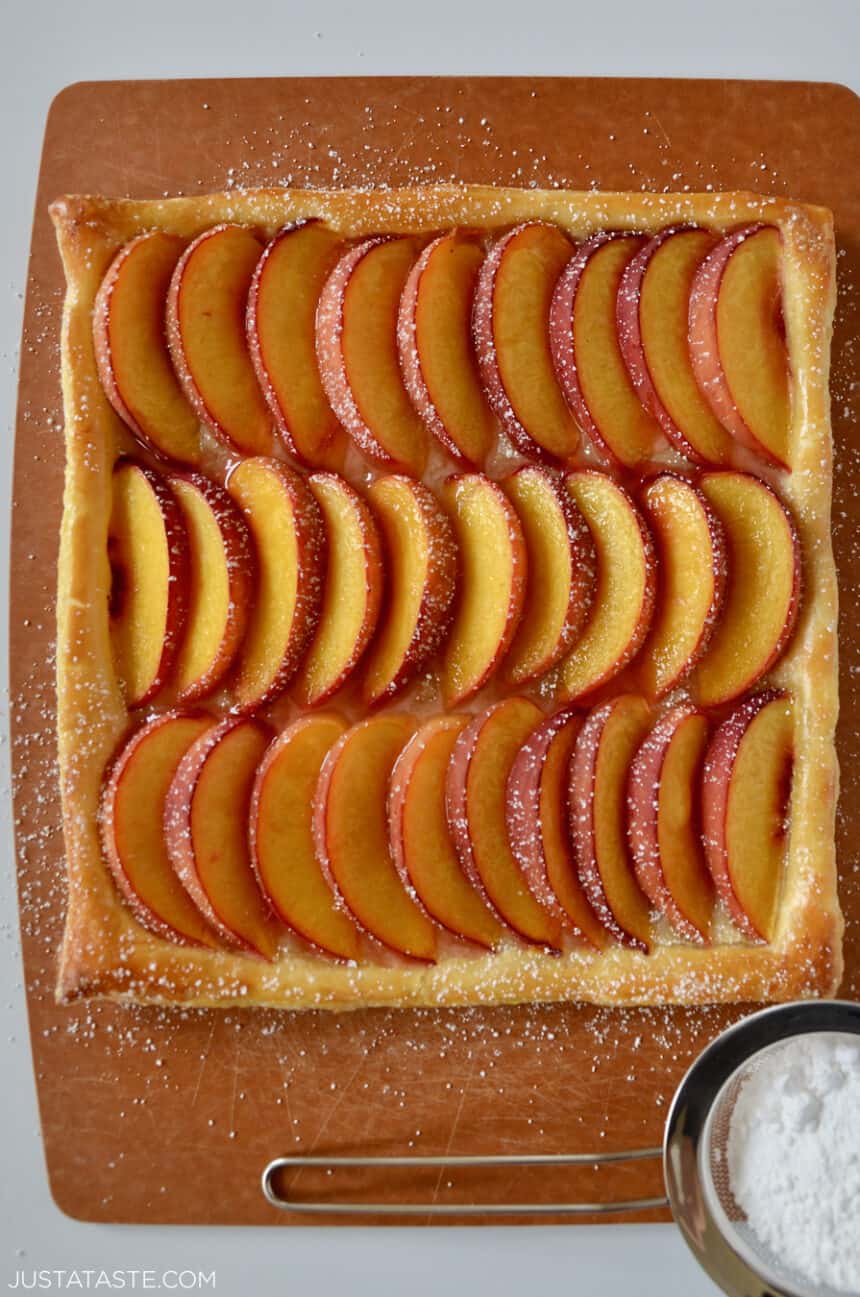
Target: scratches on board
[{"x": 203, "y": 1061}]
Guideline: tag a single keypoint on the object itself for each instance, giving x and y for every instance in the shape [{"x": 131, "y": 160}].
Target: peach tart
[{"x": 446, "y": 605}]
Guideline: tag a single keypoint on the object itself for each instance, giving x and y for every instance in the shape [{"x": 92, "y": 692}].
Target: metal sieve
[
  {"x": 695, "y": 1167},
  {"x": 695, "y": 1164}
]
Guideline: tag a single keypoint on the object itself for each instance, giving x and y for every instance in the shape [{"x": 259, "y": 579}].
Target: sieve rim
[{"x": 685, "y": 1128}]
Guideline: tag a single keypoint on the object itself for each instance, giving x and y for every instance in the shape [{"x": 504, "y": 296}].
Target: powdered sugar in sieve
[
  {"x": 782, "y": 1145},
  {"x": 762, "y": 1153}
]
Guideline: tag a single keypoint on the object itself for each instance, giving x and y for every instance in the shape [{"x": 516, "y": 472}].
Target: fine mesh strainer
[
  {"x": 695, "y": 1161},
  {"x": 695, "y": 1167}
]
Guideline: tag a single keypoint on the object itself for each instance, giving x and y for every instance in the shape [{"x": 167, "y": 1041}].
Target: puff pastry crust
[{"x": 105, "y": 952}]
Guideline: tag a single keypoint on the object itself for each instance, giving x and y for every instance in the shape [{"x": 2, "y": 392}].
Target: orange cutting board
[{"x": 164, "y": 1116}]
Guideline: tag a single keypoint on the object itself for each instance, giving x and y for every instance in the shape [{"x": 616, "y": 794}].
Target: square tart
[{"x": 107, "y": 952}]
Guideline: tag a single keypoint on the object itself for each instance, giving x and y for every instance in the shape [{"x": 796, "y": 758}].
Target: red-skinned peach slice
[
  {"x": 132, "y": 808},
  {"x": 599, "y": 769},
  {"x": 289, "y": 535},
  {"x": 131, "y": 347},
  {"x": 475, "y": 796},
  {"x": 356, "y": 343},
  {"x": 420, "y": 559},
  {"x": 587, "y": 353},
  {"x": 562, "y": 573},
  {"x": 420, "y": 840},
  {"x": 148, "y": 554},
  {"x": 512, "y": 342},
  {"x": 626, "y": 583},
  {"x": 763, "y": 591},
  {"x": 205, "y": 831},
  {"x": 222, "y": 572},
  {"x": 692, "y": 561},
  {"x": 492, "y": 583},
  {"x": 281, "y": 836},
  {"x": 206, "y": 334},
  {"x": 352, "y": 590},
  {"x": 664, "y": 822},
  {"x": 653, "y": 331},
  {"x": 746, "y": 790},
  {"x": 737, "y": 339},
  {"x": 351, "y": 835},
  {"x": 437, "y": 358},
  {"x": 538, "y": 827},
  {"x": 280, "y": 324}
]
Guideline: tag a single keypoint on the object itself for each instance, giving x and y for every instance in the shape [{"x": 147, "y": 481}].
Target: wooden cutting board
[{"x": 169, "y": 1116}]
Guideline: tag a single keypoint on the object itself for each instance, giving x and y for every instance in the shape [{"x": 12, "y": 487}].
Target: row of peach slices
[
  {"x": 284, "y": 581},
  {"x": 564, "y": 830},
  {"x": 397, "y": 340}
]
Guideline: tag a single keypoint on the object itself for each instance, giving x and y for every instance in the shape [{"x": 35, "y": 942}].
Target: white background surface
[{"x": 44, "y": 46}]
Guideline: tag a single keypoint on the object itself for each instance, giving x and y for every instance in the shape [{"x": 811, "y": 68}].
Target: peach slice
[
  {"x": 206, "y": 335},
  {"x": 538, "y": 828},
  {"x": 420, "y": 840},
  {"x": 148, "y": 554},
  {"x": 351, "y": 835},
  {"x": 492, "y": 583},
  {"x": 737, "y": 339},
  {"x": 626, "y": 584},
  {"x": 601, "y": 760},
  {"x": 562, "y": 573},
  {"x": 356, "y": 343},
  {"x": 420, "y": 559},
  {"x": 511, "y": 327},
  {"x": 280, "y": 324},
  {"x": 352, "y": 590},
  {"x": 746, "y": 790},
  {"x": 290, "y": 543},
  {"x": 221, "y": 584},
  {"x": 131, "y": 812},
  {"x": 764, "y": 587},
  {"x": 437, "y": 358},
  {"x": 475, "y": 795},
  {"x": 692, "y": 561},
  {"x": 664, "y": 825},
  {"x": 205, "y": 831},
  {"x": 652, "y": 307},
  {"x": 131, "y": 347},
  {"x": 587, "y": 352},
  {"x": 281, "y": 836}
]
